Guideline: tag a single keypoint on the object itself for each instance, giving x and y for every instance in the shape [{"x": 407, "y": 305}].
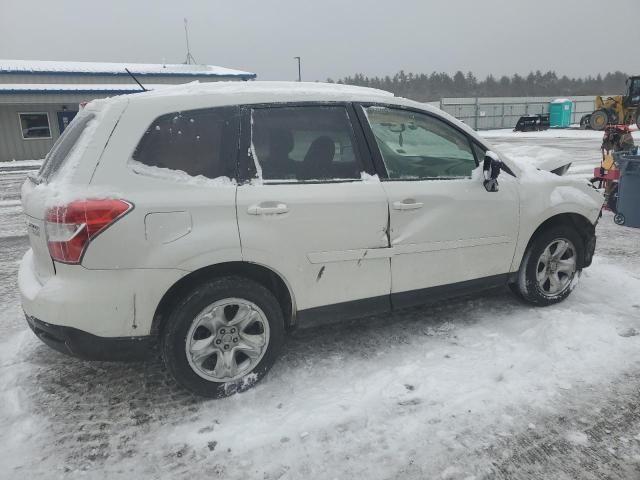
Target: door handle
[
  {"x": 407, "y": 204},
  {"x": 268, "y": 208}
]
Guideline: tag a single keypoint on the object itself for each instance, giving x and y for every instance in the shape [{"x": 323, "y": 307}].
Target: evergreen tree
[{"x": 436, "y": 85}]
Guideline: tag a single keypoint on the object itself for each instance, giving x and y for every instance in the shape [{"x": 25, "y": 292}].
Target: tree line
[{"x": 431, "y": 87}]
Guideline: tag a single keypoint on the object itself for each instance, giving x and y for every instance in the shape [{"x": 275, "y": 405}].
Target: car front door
[
  {"x": 446, "y": 230},
  {"x": 308, "y": 208}
]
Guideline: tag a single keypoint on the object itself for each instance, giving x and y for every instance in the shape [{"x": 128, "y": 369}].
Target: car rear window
[
  {"x": 197, "y": 142},
  {"x": 60, "y": 151}
]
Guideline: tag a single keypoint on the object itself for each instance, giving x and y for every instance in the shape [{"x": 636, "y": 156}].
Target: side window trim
[
  {"x": 475, "y": 146},
  {"x": 381, "y": 169},
  {"x": 246, "y": 162}
]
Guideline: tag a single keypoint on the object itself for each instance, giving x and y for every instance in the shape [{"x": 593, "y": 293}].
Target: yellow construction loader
[{"x": 616, "y": 110}]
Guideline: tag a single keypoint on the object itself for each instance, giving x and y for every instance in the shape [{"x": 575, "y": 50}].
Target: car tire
[
  {"x": 619, "y": 219},
  {"x": 550, "y": 267},
  {"x": 223, "y": 336},
  {"x": 599, "y": 120},
  {"x": 584, "y": 122}
]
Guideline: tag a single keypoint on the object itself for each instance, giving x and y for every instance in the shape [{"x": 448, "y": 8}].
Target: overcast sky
[{"x": 334, "y": 38}]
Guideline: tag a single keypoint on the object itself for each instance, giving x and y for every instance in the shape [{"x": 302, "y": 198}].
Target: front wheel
[
  {"x": 599, "y": 120},
  {"x": 550, "y": 267},
  {"x": 223, "y": 337}
]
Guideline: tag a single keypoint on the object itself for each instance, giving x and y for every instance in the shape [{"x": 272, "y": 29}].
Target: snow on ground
[{"x": 479, "y": 387}]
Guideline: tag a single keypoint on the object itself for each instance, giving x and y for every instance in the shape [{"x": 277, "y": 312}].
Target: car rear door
[
  {"x": 308, "y": 208},
  {"x": 446, "y": 229}
]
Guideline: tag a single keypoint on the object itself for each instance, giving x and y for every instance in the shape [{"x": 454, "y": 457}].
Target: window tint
[
  {"x": 304, "y": 143},
  {"x": 418, "y": 146},
  {"x": 61, "y": 149},
  {"x": 197, "y": 142},
  {"x": 34, "y": 125}
]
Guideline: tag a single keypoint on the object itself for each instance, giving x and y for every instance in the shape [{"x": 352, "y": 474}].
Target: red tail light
[{"x": 70, "y": 228}]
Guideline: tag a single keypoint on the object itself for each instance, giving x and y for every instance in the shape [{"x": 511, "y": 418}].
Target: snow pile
[
  {"x": 525, "y": 156},
  {"x": 367, "y": 178},
  {"x": 179, "y": 176},
  {"x": 57, "y": 194}
]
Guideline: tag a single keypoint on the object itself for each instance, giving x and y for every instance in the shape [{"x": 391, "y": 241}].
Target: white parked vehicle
[{"x": 210, "y": 218}]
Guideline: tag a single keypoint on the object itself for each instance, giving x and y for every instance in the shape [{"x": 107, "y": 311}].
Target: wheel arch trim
[
  {"x": 585, "y": 228},
  {"x": 263, "y": 274}
]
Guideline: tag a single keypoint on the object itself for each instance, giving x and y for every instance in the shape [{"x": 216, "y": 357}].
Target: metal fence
[{"x": 484, "y": 113}]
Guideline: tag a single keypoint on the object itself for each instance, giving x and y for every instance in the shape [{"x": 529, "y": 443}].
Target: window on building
[
  {"x": 307, "y": 143},
  {"x": 415, "y": 146},
  {"x": 34, "y": 125},
  {"x": 197, "y": 142}
]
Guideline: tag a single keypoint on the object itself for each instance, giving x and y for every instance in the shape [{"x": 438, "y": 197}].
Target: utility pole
[
  {"x": 189, "y": 60},
  {"x": 299, "y": 70}
]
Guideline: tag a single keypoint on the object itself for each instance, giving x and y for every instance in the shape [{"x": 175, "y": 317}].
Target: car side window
[
  {"x": 304, "y": 144},
  {"x": 417, "y": 146},
  {"x": 197, "y": 142}
]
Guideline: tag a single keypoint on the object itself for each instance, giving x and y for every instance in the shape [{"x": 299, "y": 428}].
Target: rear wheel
[
  {"x": 223, "y": 337},
  {"x": 584, "y": 122},
  {"x": 619, "y": 219},
  {"x": 550, "y": 267}
]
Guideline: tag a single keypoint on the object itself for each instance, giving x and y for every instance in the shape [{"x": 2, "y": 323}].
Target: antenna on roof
[
  {"x": 189, "y": 60},
  {"x": 133, "y": 76}
]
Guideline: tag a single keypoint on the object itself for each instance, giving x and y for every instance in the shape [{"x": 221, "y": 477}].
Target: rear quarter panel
[{"x": 174, "y": 224}]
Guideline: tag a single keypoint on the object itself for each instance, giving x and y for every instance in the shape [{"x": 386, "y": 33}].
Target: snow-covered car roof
[{"x": 256, "y": 92}]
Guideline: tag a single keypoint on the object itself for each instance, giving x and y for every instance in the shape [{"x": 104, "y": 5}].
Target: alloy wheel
[
  {"x": 227, "y": 340},
  {"x": 556, "y": 267}
]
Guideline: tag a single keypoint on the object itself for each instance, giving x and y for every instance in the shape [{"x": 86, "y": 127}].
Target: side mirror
[{"x": 491, "y": 168}]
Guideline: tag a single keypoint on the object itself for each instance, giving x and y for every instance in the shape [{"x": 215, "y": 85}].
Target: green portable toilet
[{"x": 560, "y": 113}]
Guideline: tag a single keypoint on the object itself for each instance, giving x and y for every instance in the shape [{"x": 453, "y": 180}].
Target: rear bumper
[
  {"x": 103, "y": 303},
  {"x": 74, "y": 342}
]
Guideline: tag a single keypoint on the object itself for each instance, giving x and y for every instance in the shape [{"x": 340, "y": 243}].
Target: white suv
[{"x": 211, "y": 218}]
